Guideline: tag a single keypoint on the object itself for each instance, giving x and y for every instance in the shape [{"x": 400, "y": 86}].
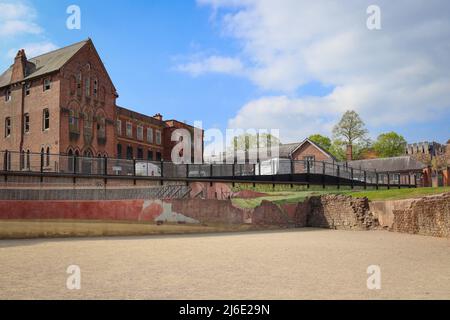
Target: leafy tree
[
  {"x": 323, "y": 141},
  {"x": 390, "y": 144},
  {"x": 350, "y": 128}
]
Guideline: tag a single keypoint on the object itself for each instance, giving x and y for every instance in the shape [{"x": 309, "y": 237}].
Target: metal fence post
[
  {"x": 388, "y": 181},
  {"x": 377, "y": 179},
  {"x": 365, "y": 179},
  {"x": 307, "y": 173},
  {"x": 409, "y": 179},
  {"x": 162, "y": 172},
  {"x": 323, "y": 174},
  {"x": 338, "y": 177},
  {"x": 351, "y": 182},
  {"x": 134, "y": 171},
  {"x": 5, "y": 161},
  {"x": 233, "y": 172},
  {"x": 105, "y": 169},
  {"x": 399, "y": 182}
]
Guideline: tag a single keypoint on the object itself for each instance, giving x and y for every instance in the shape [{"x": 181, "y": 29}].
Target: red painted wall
[{"x": 96, "y": 210}]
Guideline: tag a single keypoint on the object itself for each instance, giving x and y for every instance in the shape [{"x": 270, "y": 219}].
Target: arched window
[
  {"x": 47, "y": 159},
  {"x": 28, "y": 160}
]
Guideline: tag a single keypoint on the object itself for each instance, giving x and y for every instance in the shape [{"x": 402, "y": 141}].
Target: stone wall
[
  {"x": 426, "y": 216},
  {"x": 340, "y": 212}
]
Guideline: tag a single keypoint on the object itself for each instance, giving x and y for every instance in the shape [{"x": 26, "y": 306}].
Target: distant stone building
[{"x": 426, "y": 151}]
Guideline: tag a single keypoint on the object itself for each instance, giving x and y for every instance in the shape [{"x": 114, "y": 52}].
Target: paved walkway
[{"x": 295, "y": 264}]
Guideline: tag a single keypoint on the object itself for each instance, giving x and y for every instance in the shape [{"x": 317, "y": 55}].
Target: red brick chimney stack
[
  {"x": 349, "y": 152},
  {"x": 158, "y": 116},
  {"x": 20, "y": 63}
]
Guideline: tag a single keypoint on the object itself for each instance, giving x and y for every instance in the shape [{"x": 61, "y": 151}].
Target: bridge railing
[{"x": 23, "y": 162}]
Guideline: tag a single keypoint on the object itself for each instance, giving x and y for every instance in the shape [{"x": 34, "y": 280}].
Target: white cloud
[
  {"x": 397, "y": 75},
  {"x": 17, "y": 18},
  {"x": 33, "y": 49},
  {"x": 212, "y": 64}
]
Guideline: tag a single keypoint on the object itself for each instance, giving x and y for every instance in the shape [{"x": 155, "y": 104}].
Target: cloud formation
[
  {"x": 17, "y": 18},
  {"x": 19, "y": 30},
  {"x": 397, "y": 75}
]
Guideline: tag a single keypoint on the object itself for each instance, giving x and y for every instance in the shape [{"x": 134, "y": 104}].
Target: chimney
[
  {"x": 349, "y": 152},
  {"x": 20, "y": 63},
  {"x": 158, "y": 116}
]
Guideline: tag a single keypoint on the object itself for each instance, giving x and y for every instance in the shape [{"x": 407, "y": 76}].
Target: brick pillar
[
  {"x": 349, "y": 152},
  {"x": 427, "y": 177},
  {"x": 446, "y": 176}
]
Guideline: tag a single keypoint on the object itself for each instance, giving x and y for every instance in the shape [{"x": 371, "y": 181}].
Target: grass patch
[
  {"x": 276, "y": 197},
  {"x": 397, "y": 194},
  {"x": 280, "y": 197}
]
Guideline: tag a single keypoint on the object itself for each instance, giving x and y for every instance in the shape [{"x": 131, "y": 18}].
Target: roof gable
[
  {"x": 314, "y": 145},
  {"x": 45, "y": 63}
]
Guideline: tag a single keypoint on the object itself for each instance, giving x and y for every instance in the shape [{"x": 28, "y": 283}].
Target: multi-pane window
[
  {"x": 140, "y": 133},
  {"x": 88, "y": 87},
  {"x": 158, "y": 156},
  {"x": 129, "y": 152},
  {"x": 149, "y": 155},
  {"x": 47, "y": 84},
  {"x": 119, "y": 151},
  {"x": 308, "y": 160},
  {"x": 150, "y": 135},
  {"x": 129, "y": 129},
  {"x": 45, "y": 119},
  {"x": 26, "y": 122},
  {"x": 79, "y": 79},
  {"x": 27, "y": 88},
  {"x": 73, "y": 122},
  {"x": 140, "y": 153},
  {"x": 158, "y": 137},
  {"x": 8, "y": 95},
  {"x": 7, "y": 127},
  {"x": 119, "y": 127}
]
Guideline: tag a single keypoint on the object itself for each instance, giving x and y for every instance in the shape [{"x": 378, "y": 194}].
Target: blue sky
[{"x": 287, "y": 65}]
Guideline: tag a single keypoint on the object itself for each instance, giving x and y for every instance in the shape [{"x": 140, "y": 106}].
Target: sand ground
[{"x": 292, "y": 264}]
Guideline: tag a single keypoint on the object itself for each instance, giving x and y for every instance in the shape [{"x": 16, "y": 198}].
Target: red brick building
[{"x": 64, "y": 103}]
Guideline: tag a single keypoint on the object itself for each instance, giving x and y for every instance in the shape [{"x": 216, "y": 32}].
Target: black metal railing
[{"x": 269, "y": 171}]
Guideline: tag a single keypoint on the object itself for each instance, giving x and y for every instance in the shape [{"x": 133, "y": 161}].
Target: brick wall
[
  {"x": 426, "y": 216},
  {"x": 340, "y": 212}
]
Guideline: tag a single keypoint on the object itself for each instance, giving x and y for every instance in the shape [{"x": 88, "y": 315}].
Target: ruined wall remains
[
  {"x": 340, "y": 212},
  {"x": 209, "y": 210},
  {"x": 426, "y": 216}
]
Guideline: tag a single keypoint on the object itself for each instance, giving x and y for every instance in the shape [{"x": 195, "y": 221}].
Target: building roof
[
  {"x": 299, "y": 145},
  {"x": 45, "y": 63},
  {"x": 139, "y": 116},
  {"x": 394, "y": 164}
]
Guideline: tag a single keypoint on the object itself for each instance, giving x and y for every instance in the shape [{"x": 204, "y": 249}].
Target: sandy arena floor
[{"x": 297, "y": 264}]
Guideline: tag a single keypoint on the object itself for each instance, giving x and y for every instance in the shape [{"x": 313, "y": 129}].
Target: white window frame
[
  {"x": 158, "y": 135},
  {"x": 8, "y": 95},
  {"x": 150, "y": 135},
  {"x": 140, "y": 132},
  {"x": 44, "y": 128},
  {"x": 119, "y": 127},
  {"x": 88, "y": 87},
  {"x": 8, "y": 127},
  {"x": 129, "y": 129},
  {"x": 28, "y": 88},
  {"x": 47, "y": 83},
  {"x": 26, "y": 124}
]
